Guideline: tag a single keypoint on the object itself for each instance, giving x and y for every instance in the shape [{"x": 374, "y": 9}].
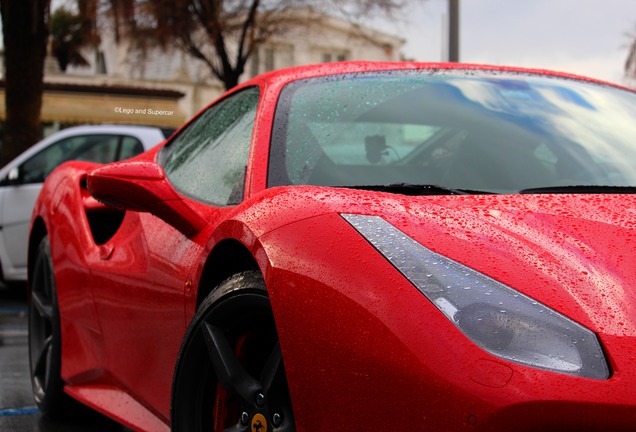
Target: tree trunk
[
  {"x": 25, "y": 31},
  {"x": 231, "y": 79}
]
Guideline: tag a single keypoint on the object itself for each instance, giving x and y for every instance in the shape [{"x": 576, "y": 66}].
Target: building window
[
  {"x": 100, "y": 63},
  {"x": 269, "y": 58},
  {"x": 255, "y": 63},
  {"x": 330, "y": 56}
]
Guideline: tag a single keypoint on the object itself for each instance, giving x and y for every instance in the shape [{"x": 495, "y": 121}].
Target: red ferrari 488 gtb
[{"x": 352, "y": 246}]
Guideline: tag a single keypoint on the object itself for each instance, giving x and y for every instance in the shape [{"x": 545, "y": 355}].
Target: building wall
[{"x": 324, "y": 39}]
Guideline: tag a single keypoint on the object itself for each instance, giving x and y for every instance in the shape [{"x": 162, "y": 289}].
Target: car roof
[
  {"x": 283, "y": 76},
  {"x": 106, "y": 128}
]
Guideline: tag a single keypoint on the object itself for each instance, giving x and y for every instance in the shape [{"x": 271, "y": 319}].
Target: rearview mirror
[{"x": 142, "y": 186}]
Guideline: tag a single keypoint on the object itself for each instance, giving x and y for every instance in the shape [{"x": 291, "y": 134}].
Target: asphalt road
[{"x": 18, "y": 411}]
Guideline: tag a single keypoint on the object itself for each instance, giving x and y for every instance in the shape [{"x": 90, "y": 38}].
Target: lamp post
[{"x": 453, "y": 30}]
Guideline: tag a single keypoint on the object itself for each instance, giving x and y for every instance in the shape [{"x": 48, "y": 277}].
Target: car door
[
  {"x": 20, "y": 189},
  {"x": 139, "y": 276}
]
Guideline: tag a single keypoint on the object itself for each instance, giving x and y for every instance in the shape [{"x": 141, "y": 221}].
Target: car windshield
[{"x": 483, "y": 131}]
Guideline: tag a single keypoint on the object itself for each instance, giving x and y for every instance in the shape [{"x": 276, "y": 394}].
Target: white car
[{"x": 22, "y": 178}]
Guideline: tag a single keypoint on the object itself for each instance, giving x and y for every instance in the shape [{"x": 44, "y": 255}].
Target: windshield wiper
[
  {"x": 581, "y": 189},
  {"x": 417, "y": 189}
]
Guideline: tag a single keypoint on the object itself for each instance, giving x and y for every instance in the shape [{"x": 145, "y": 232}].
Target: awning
[{"x": 92, "y": 104}]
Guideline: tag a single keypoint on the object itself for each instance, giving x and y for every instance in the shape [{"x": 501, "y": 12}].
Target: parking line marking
[
  {"x": 13, "y": 310},
  {"x": 19, "y": 411}
]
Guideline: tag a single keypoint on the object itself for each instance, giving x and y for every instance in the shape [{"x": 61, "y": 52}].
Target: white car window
[{"x": 94, "y": 148}]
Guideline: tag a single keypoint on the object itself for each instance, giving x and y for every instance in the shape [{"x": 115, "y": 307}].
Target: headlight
[{"x": 502, "y": 321}]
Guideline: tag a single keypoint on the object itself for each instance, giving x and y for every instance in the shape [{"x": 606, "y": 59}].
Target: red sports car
[{"x": 352, "y": 246}]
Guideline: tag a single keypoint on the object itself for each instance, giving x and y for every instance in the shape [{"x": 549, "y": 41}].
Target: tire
[
  {"x": 45, "y": 342},
  {"x": 230, "y": 374}
]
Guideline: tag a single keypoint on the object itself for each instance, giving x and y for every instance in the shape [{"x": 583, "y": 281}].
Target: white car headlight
[{"x": 502, "y": 321}]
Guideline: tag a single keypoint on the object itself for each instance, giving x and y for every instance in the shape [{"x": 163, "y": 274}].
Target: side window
[
  {"x": 130, "y": 147},
  {"x": 98, "y": 148},
  {"x": 207, "y": 161}
]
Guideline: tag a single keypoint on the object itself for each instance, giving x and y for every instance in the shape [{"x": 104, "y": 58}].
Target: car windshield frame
[{"x": 486, "y": 131}]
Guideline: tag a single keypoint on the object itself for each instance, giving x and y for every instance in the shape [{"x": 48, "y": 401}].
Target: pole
[{"x": 453, "y": 30}]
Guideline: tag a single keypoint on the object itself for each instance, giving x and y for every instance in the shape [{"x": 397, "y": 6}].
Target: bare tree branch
[{"x": 233, "y": 28}]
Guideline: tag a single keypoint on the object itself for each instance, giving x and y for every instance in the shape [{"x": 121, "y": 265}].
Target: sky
[{"x": 585, "y": 37}]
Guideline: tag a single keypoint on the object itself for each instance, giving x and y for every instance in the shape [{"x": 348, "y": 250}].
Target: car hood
[{"x": 574, "y": 253}]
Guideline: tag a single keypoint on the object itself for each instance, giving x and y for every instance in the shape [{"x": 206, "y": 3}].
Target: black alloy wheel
[
  {"x": 45, "y": 344},
  {"x": 230, "y": 375}
]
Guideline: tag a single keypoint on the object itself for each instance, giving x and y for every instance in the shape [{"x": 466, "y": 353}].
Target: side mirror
[
  {"x": 13, "y": 177},
  {"x": 142, "y": 186}
]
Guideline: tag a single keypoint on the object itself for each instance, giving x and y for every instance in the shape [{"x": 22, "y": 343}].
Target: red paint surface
[{"x": 361, "y": 345}]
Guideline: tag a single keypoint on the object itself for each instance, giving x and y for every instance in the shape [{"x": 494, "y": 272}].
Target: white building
[{"x": 323, "y": 39}]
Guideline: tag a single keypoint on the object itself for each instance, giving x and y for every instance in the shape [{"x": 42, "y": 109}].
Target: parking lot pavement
[{"x": 18, "y": 411}]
